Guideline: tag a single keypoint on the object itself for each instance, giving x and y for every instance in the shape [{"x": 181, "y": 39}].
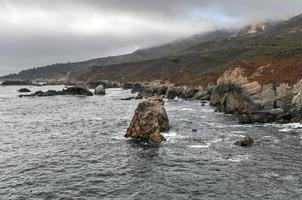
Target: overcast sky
[{"x": 39, "y": 32}]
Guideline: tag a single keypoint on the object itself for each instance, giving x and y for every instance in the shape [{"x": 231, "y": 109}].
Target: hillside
[
  {"x": 278, "y": 47},
  {"x": 197, "y": 60},
  {"x": 62, "y": 71}
]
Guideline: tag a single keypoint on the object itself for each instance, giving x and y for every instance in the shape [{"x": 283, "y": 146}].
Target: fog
[{"x": 39, "y": 32}]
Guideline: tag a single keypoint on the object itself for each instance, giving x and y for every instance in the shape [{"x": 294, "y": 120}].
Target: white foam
[
  {"x": 170, "y": 134},
  {"x": 200, "y": 146},
  {"x": 186, "y": 109},
  {"x": 270, "y": 174},
  {"x": 235, "y": 158},
  {"x": 238, "y": 132},
  {"x": 289, "y": 178},
  {"x": 238, "y": 158},
  {"x": 285, "y": 130}
]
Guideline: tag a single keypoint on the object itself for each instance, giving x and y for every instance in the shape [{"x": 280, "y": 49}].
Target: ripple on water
[{"x": 73, "y": 148}]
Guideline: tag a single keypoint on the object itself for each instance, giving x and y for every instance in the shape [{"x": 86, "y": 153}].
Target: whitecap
[
  {"x": 238, "y": 132},
  {"x": 170, "y": 134},
  {"x": 289, "y": 178},
  {"x": 235, "y": 158},
  {"x": 238, "y": 158},
  {"x": 200, "y": 146},
  {"x": 186, "y": 109},
  {"x": 270, "y": 174},
  {"x": 285, "y": 130}
]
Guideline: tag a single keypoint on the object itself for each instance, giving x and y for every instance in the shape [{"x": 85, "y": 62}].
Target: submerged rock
[
  {"x": 24, "y": 90},
  {"x": 100, "y": 90},
  {"x": 150, "y": 118},
  {"x": 246, "y": 141}
]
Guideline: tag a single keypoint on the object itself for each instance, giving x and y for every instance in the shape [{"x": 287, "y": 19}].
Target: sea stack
[{"x": 149, "y": 120}]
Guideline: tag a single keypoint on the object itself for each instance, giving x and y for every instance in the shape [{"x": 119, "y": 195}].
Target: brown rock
[
  {"x": 246, "y": 141},
  {"x": 150, "y": 118}
]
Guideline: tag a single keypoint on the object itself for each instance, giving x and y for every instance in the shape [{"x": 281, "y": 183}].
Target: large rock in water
[
  {"x": 12, "y": 82},
  {"x": 68, "y": 91},
  {"x": 100, "y": 90},
  {"x": 23, "y": 90},
  {"x": 150, "y": 118},
  {"x": 246, "y": 141}
]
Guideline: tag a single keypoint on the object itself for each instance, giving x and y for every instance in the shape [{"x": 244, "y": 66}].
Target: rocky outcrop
[
  {"x": 104, "y": 83},
  {"x": 266, "y": 116},
  {"x": 24, "y": 90},
  {"x": 68, "y": 91},
  {"x": 246, "y": 141},
  {"x": 174, "y": 92},
  {"x": 202, "y": 94},
  {"x": 100, "y": 90},
  {"x": 170, "y": 91},
  {"x": 230, "y": 98},
  {"x": 263, "y": 103},
  {"x": 13, "y": 82},
  {"x": 149, "y": 120}
]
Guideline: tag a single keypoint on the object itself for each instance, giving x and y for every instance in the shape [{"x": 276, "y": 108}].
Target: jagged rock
[
  {"x": 150, "y": 118},
  {"x": 24, "y": 90},
  {"x": 127, "y": 86},
  {"x": 68, "y": 91},
  {"x": 100, "y": 90},
  {"x": 188, "y": 93},
  {"x": 77, "y": 91},
  {"x": 202, "y": 94},
  {"x": 246, "y": 141},
  {"x": 104, "y": 83},
  {"x": 173, "y": 92},
  {"x": 145, "y": 91},
  {"x": 230, "y": 98},
  {"x": 266, "y": 116},
  {"x": 12, "y": 82}
]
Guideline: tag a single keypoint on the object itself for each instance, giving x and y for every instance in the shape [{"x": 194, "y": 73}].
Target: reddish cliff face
[{"x": 265, "y": 70}]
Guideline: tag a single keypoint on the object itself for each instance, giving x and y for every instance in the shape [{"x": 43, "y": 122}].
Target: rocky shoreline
[
  {"x": 250, "y": 101},
  {"x": 233, "y": 93}
]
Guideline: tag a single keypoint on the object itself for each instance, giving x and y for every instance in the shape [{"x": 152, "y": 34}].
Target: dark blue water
[{"x": 69, "y": 147}]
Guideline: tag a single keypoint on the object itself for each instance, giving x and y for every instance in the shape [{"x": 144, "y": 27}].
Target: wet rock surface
[
  {"x": 13, "y": 82},
  {"x": 24, "y": 90},
  {"x": 104, "y": 83},
  {"x": 68, "y": 91},
  {"x": 150, "y": 118},
  {"x": 246, "y": 141}
]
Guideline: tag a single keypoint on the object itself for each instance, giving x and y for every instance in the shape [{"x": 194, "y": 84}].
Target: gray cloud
[{"x": 39, "y": 32}]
